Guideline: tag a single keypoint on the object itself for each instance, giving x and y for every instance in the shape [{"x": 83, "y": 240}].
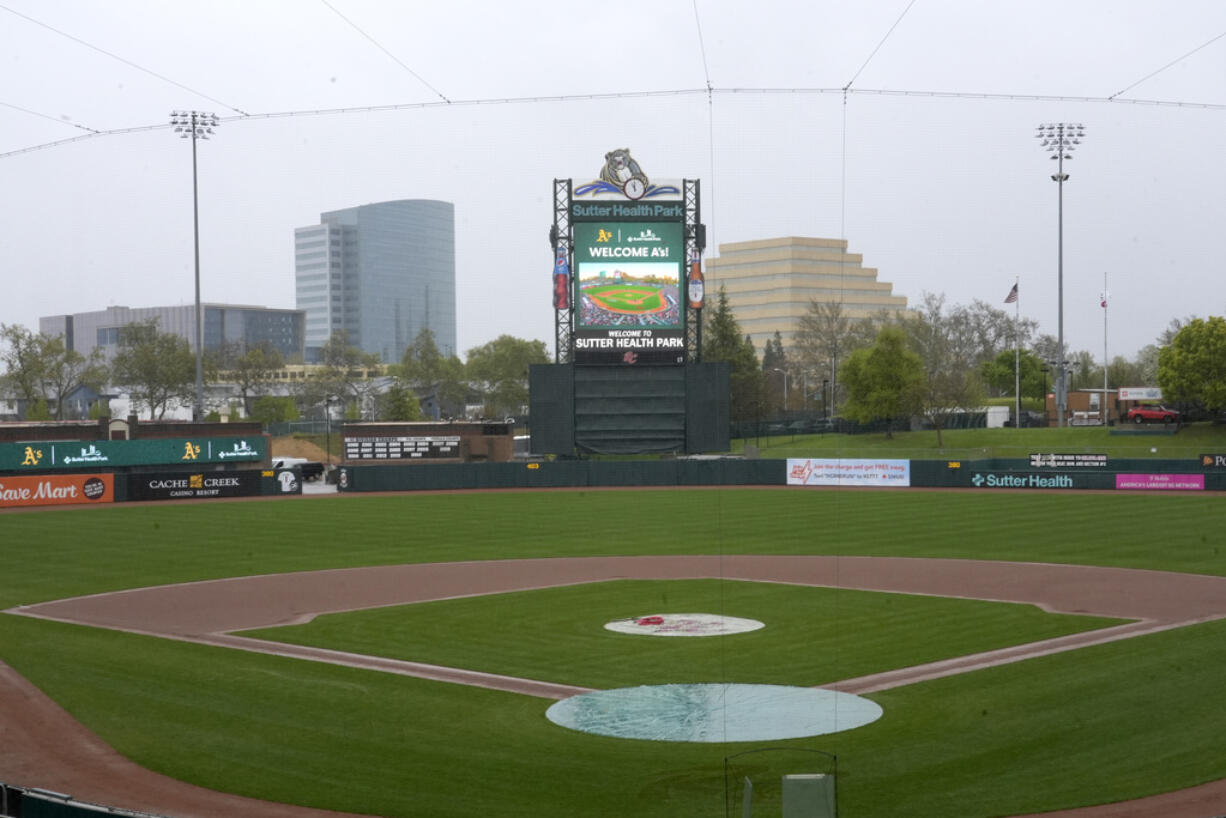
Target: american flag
[{"x": 1012, "y": 296}]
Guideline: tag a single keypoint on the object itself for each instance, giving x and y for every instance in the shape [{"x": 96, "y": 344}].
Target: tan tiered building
[{"x": 771, "y": 282}]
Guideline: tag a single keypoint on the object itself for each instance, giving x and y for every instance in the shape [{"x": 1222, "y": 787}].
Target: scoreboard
[{"x": 422, "y": 447}]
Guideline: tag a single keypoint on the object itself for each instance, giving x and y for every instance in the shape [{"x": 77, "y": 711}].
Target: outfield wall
[{"x": 987, "y": 474}]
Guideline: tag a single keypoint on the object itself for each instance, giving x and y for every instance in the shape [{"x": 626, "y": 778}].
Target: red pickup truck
[{"x": 1154, "y": 414}]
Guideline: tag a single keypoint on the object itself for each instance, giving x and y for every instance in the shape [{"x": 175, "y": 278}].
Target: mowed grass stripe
[
  {"x": 55, "y": 554},
  {"x": 812, "y": 635}
]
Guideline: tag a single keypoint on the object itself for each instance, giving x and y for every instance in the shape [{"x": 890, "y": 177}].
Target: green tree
[
  {"x": 427, "y": 370},
  {"x": 775, "y": 372},
  {"x": 1192, "y": 368},
  {"x": 398, "y": 403},
  {"x": 40, "y": 367},
  {"x": 950, "y": 351},
  {"x": 346, "y": 375},
  {"x": 269, "y": 409},
  {"x": 252, "y": 369},
  {"x": 826, "y": 335},
  {"x": 158, "y": 369},
  {"x": 722, "y": 341},
  {"x": 885, "y": 381},
  {"x": 1000, "y": 374},
  {"x": 499, "y": 369}
]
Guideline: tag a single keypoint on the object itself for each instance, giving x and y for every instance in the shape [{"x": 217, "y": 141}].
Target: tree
[
  {"x": 1192, "y": 368},
  {"x": 722, "y": 341},
  {"x": 158, "y": 369},
  {"x": 1001, "y": 373},
  {"x": 500, "y": 369},
  {"x": 344, "y": 374},
  {"x": 398, "y": 403},
  {"x": 25, "y": 362},
  {"x": 42, "y": 368},
  {"x": 885, "y": 381},
  {"x": 426, "y": 369},
  {"x": 826, "y": 335},
  {"x": 252, "y": 369},
  {"x": 69, "y": 370},
  {"x": 269, "y": 409},
  {"x": 949, "y": 351},
  {"x": 775, "y": 360}
]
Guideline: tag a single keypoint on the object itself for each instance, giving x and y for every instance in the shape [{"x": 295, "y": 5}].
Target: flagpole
[
  {"x": 1106, "y": 410},
  {"x": 1017, "y": 356}
]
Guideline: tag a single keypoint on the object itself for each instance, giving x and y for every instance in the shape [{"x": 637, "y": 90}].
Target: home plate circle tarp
[
  {"x": 713, "y": 712},
  {"x": 685, "y": 624}
]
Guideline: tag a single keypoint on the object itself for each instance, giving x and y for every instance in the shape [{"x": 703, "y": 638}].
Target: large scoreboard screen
[{"x": 629, "y": 291}]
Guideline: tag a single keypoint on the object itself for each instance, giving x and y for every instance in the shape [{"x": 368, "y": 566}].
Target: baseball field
[{"x": 856, "y": 590}]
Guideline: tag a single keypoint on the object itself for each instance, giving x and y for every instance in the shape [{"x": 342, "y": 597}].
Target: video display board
[{"x": 629, "y": 284}]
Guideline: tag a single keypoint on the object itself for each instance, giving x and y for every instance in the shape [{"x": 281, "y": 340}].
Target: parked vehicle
[{"x": 1152, "y": 414}]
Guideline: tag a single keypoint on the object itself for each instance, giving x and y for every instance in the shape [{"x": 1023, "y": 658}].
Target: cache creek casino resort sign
[{"x": 629, "y": 287}]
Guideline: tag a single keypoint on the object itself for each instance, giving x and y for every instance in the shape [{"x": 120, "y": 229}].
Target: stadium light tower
[
  {"x": 1060, "y": 139},
  {"x": 196, "y": 125}
]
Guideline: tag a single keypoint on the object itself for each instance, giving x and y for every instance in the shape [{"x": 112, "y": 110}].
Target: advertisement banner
[
  {"x": 56, "y": 489},
  {"x": 1160, "y": 482},
  {"x": 44, "y": 456},
  {"x": 1140, "y": 393},
  {"x": 628, "y": 292},
  {"x": 832, "y": 472},
  {"x": 1213, "y": 461},
  {"x": 1069, "y": 461},
  {"x": 196, "y": 485}
]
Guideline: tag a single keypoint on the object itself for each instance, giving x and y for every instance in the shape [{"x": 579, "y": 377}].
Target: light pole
[
  {"x": 1060, "y": 139},
  {"x": 195, "y": 125},
  {"x": 785, "y": 387},
  {"x": 328, "y": 417}
]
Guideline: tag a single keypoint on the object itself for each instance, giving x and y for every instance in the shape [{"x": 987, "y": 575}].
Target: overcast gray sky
[{"x": 927, "y": 165}]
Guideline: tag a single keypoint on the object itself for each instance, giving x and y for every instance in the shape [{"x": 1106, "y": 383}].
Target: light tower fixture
[
  {"x": 196, "y": 125},
  {"x": 1060, "y": 140}
]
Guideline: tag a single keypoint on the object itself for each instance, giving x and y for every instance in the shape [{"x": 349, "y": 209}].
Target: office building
[
  {"x": 770, "y": 284},
  {"x": 244, "y": 326},
  {"x": 380, "y": 273}
]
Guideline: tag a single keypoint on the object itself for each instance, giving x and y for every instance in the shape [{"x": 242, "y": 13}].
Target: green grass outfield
[
  {"x": 1145, "y": 441},
  {"x": 1099, "y": 724}
]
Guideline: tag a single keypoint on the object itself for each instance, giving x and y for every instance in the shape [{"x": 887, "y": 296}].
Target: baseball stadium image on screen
[{"x": 629, "y": 295}]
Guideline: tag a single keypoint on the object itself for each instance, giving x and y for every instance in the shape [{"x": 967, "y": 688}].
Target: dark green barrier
[
  {"x": 1006, "y": 474},
  {"x": 563, "y": 474}
]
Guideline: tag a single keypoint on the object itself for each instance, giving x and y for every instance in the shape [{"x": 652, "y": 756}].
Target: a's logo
[
  {"x": 977, "y": 480},
  {"x": 33, "y": 456},
  {"x": 190, "y": 451},
  {"x": 603, "y": 236}
]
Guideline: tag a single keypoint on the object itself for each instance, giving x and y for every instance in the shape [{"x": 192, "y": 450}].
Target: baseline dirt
[{"x": 60, "y": 754}]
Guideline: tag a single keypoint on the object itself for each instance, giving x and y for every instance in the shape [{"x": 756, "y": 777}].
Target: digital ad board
[{"x": 629, "y": 283}]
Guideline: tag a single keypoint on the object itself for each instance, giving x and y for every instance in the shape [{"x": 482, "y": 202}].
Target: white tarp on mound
[{"x": 714, "y": 712}]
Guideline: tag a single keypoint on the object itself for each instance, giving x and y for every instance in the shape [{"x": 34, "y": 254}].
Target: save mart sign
[{"x": 42, "y": 456}]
